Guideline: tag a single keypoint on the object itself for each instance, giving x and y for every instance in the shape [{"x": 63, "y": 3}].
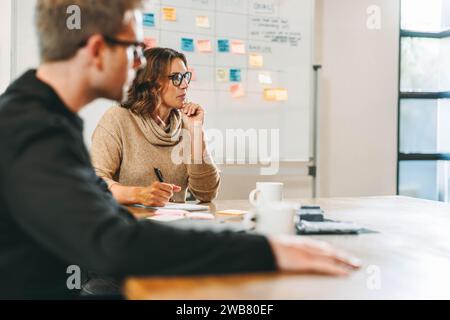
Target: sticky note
[
  {"x": 169, "y": 14},
  {"x": 265, "y": 78},
  {"x": 256, "y": 60},
  {"x": 194, "y": 73},
  {"x": 235, "y": 75},
  {"x": 187, "y": 44},
  {"x": 222, "y": 75},
  {"x": 204, "y": 45},
  {"x": 236, "y": 213},
  {"x": 223, "y": 45},
  {"x": 150, "y": 43},
  {"x": 238, "y": 47},
  {"x": 149, "y": 20},
  {"x": 202, "y": 22},
  {"x": 237, "y": 90},
  {"x": 276, "y": 95}
]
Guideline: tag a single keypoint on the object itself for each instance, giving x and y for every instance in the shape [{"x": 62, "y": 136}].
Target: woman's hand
[
  {"x": 157, "y": 195},
  {"x": 194, "y": 113}
]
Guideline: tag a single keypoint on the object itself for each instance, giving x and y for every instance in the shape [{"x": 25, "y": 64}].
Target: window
[{"x": 424, "y": 106}]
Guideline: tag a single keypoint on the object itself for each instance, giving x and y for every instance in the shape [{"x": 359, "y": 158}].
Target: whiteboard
[{"x": 281, "y": 31}]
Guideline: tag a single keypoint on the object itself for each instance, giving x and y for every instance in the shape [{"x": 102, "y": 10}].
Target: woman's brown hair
[{"x": 144, "y": 95}]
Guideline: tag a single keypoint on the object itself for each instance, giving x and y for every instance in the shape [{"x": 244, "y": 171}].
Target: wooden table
[{"x": 409, "y": 258}]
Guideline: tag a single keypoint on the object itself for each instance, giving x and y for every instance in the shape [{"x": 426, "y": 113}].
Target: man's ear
[{"x": 95, "y": 48}]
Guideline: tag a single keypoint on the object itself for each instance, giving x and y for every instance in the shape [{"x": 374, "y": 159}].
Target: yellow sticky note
[
  {"x": 238, "y": 47},
  {"x": 237, "y": 90},
  {"x": 276, "y": 95},
  {"x": 222, "y": 75},
  {"x": 256, "y": 60},
  {"x": 204, "y": 45},
  {"x": 169, "y": 14},
  {"x": 150, "y": 43},
  {"x": 202, "y": 22}
]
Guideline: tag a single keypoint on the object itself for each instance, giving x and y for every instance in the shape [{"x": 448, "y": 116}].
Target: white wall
[
  {"x": 5, "y": 47},
  {"x": 359, "y": 90}
]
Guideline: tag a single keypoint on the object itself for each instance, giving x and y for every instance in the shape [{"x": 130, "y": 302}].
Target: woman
[{"x": 146, "y": 133}]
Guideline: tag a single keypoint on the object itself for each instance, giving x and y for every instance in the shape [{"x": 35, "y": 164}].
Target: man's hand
[
  {"x": 297, "y": 255},
  {"x": 157, "y": 195}
]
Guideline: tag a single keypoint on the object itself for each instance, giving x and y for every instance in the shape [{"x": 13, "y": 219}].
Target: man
[{"x": 55, "y": 212}]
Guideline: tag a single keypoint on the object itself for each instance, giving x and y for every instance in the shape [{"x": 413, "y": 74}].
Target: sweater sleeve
[
  {"x": 106, "y": 152},
  {"x": 204, "y": 179}
]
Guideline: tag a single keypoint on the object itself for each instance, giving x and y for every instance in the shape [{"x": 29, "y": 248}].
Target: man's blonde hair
[{"x": 57, "y": 42}]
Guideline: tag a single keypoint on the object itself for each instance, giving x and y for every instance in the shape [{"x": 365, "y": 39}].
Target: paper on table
[
  {"x": 169, "y": 14},
  {"x": 166, "y": 218},
  {"x": 238, "y": 213},
  {"x": 200, "y": 216}
]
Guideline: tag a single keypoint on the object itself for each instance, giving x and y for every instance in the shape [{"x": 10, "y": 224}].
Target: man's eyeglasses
[
  {"x": 178, "y": 78},
  {"x": 138, "y": 48}
]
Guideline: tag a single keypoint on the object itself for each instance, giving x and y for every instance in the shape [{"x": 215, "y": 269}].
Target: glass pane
[
  {"x": 418, "y": 179},
  {"x": 426, "y": 15},
  {"x": 425, "y": 65},
  {"x": 443, "y": 142},
  {"x": 418, "y": 126}
]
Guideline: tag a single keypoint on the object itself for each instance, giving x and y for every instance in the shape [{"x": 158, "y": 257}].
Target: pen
[{"x": 159, "y": 175}]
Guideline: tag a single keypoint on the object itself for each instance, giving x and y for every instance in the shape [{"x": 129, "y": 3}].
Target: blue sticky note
[
  {"x": 223, "y": 45},
  {"x": 187, "y": 44},
  {"x": 235, "y": 75},
  {"x": 149, "y": 19}
]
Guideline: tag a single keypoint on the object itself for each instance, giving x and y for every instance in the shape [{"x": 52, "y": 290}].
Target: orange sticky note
[
  {"x": 238, "y": 47},
  {"x": 204, "y": 46},
  {"x": 169, "y": 14},
  {"x": 256, "y": 60},
  {"x": 150, "y": 43},
  {"x": 237, "y": 90}
]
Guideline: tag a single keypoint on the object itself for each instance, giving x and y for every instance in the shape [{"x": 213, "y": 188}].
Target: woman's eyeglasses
[{"x": 178, "y": 78}]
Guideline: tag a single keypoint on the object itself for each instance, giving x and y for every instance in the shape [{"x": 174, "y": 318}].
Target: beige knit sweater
[{"x": 126, "y": 148}]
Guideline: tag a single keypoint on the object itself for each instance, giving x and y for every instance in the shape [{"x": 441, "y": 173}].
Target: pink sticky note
[
  {"x": 238, "y": 47},
  {"x": 204, "y": 45},
  {"x": 237, "y": 90},
  {"x": 200, "y": 216},
  {"x": 194, "y": 73},
  {"x": 150, "y": 42},
  {"x": 164, "y": 212}
]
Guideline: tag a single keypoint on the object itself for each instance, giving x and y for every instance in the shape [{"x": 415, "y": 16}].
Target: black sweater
[{"x": 55, "y": 212}]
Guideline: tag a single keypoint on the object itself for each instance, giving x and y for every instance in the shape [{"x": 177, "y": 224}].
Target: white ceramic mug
[
  {"x": 276, "y": 218},
  {"x": 266, "y": 192}
]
